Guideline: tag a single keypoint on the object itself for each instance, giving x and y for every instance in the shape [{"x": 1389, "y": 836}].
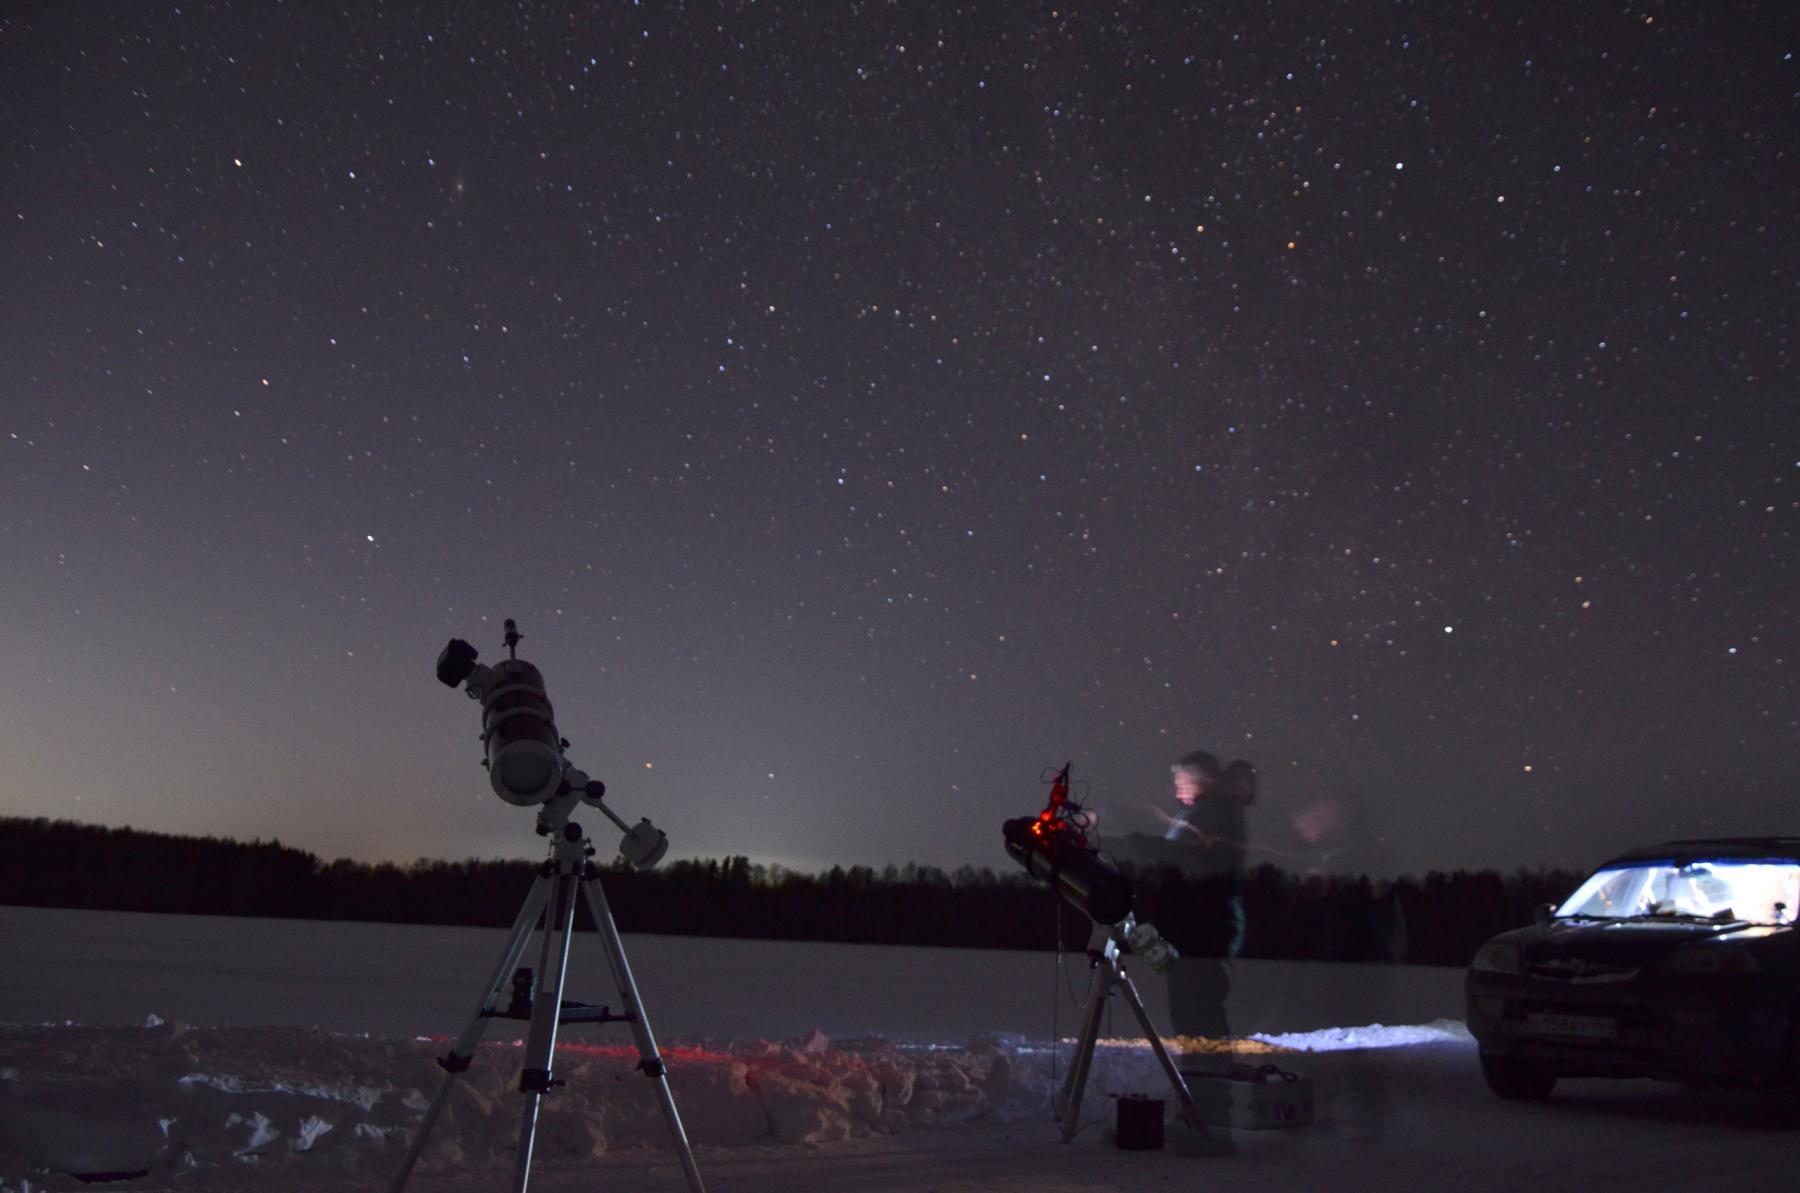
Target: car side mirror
[{"x": 1543, "y": 914}]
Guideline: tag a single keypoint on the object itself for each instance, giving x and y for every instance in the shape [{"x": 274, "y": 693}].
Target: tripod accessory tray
[{"x": 1250, "y": 1097}]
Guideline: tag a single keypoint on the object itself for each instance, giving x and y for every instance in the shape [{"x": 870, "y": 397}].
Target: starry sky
[{"x": 862, "y": 407}]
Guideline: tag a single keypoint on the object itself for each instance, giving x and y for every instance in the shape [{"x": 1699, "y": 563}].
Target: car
[{"x": 1678, "y": 962}]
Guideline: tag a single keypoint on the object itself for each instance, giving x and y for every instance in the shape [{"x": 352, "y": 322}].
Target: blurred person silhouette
[
  {"x": 1329, "y": 841},
  {"x": 1330, "y": 844},
  {"x": 1208, "y": 839}
]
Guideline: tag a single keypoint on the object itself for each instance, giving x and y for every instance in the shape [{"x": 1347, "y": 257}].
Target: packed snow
[
  {"x": 180, "y": 1098},
  {"x": 165, "y": 1098}
]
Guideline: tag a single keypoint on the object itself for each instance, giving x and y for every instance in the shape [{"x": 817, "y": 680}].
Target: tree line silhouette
[{"x": 1440, "y": 919}]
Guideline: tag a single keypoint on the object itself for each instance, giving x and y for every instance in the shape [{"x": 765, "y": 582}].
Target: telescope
[
  {"x": 1053, "y": 847},
  {"x": 527, "y": 768},
  {"x": 524, "y": 751}
]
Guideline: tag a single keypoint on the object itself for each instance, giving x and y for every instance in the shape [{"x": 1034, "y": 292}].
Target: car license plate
[{"x": 1586, "y": 1027}]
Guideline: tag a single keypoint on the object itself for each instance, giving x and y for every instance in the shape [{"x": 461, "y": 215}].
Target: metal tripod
[
  {"x": 553, "y": 896},
  {"x": 1108, "y": 976}
]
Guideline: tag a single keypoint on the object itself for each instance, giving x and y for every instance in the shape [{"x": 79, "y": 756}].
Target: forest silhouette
[{"x": 1438, "y": 919}]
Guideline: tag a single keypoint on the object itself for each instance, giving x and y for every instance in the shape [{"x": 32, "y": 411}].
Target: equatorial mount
[{"x": 523, "y": 750}]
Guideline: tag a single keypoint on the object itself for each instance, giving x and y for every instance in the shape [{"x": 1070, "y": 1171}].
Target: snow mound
[
  {"x": 164, "y": 1099},
  {"x": 1375, "y": 1035}
]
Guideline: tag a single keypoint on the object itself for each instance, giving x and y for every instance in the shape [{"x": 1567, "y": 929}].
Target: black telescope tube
[{"x": 1078, "y": 875}]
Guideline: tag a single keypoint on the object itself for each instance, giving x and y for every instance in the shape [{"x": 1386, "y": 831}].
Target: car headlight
[
  {"x": 1496, "y": 956},
  {"x": 1708, "y": 961}
]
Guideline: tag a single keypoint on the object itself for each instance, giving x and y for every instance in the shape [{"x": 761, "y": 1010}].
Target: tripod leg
[
  {"x": 1068, "y": 1100},
  {"x": 463, "y": 1051},
  {"x": 1190, "y": 1113},
  {"x": 546, "y": 1016},
  {"x": 650, "y": 1061}
]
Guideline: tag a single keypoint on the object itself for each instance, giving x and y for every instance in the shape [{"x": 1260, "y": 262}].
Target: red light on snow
[
  {"x": 687, "y": 1054},
  {"x": 684, "y": 1053}
]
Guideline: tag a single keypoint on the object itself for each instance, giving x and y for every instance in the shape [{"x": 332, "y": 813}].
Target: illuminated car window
[{"x": 1757, "y": 892}]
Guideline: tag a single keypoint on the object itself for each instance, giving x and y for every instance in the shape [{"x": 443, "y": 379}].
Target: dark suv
[{"x": 1678, "y": 961}]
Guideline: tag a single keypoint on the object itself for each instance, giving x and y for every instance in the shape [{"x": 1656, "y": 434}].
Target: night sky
[{"x": 862, "y": 407}]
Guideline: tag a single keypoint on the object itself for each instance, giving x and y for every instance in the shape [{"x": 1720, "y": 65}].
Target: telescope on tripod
[
  {"x": 1053, "y": 847},
  {"x": 527, "y": 768}
]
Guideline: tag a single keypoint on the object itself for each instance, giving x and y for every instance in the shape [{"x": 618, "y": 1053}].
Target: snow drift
[{"x": 164, "y": 1098}]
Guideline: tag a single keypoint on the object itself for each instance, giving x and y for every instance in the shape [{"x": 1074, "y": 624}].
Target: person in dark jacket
[
  {"x": 1210, "y": 839},
  {"x": 1211, "y": 835}
]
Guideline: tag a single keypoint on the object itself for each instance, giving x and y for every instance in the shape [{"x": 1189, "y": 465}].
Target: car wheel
[
  {"x": 1516, "y": 1080},
  {"x": 1781, "y": 1097}
]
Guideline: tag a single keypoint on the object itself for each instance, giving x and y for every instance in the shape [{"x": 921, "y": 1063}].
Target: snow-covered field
[
  {"x": 389, "y": 979},
  {"x": 268, "y": 1055}
]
